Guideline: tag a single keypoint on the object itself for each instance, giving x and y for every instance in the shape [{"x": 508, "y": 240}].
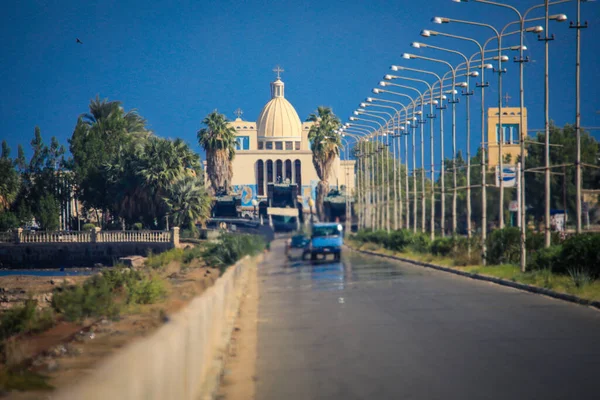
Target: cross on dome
[
  {"x": 278, "y": 70},
  {"x": 506, "y": 99}
]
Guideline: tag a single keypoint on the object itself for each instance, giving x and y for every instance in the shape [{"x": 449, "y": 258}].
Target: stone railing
[
  {"x": 96, "y": 235},
  {"x": 54, "y": 237},
  {"x": 135, "y": 236}
]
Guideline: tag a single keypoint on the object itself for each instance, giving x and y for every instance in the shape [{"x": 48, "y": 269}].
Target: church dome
[{"x": 278, "y": 117}]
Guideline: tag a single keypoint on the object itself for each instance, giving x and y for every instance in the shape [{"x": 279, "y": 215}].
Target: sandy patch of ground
[
  {"x": 15, "y": 289},
  {"x": 239, "y": 377}
]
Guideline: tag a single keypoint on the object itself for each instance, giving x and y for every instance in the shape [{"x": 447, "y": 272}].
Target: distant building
[
  {"x": 511, "y": 131},
  {"x": 275, "y": 149}
]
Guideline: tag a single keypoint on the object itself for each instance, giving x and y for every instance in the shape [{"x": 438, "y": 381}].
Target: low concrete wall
[
  {"x": 51, "y": 255},
  {"x": 182, "y": 360}
]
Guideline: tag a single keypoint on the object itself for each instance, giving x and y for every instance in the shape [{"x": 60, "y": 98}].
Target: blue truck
[{"x": 325, "y": 239}]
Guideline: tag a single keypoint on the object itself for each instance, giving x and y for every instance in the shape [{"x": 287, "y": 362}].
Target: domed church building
[{"x": 275, "y": 149}]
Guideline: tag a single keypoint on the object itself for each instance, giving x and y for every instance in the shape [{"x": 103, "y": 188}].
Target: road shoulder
[{"x": 239, "y": 377}]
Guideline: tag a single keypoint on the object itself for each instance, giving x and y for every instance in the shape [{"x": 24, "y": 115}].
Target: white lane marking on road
[{"x": 341, "y": 300}]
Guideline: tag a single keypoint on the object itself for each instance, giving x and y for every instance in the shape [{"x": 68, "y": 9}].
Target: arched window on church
[
  {"x": 269, "y": 171},
  {"x": 260, "y": 177},
  {"x": 279, "y": 171},
  {"x": 288, "y": 170},
  {"x": 298, "y": 177}
]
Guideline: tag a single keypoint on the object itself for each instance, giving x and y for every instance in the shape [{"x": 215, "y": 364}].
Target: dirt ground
[
  {"x": 239, "y": 377},
  {"x": 15, "y": 289},
  {"x": 68, "y": 352}
]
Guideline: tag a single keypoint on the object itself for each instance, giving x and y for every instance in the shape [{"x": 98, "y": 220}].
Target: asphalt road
[{"x": 367, "y": 328}]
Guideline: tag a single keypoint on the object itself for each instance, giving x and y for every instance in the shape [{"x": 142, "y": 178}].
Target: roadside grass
[
  {"x": 22, "y": 380},
  {"x": 577, "y": 283},
  {"x": 25, "y": 319},
  {"x": 159, "y": 260}
]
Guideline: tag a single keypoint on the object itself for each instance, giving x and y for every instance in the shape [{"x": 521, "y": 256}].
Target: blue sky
[{"x": 175, "y": 61}]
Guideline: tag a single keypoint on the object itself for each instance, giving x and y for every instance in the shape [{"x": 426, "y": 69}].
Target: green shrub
[
  {"x": 230, "y": 248},
  {"x": 25, "y": 319},
  {"x": 146, "y": 291},
  {"x": 137, "y": 226},
  {"x": 119, "y": 277},
  {"x": 544, "y": 258},
  {"x": 536, "y": 240},
  {"x": 420, "y": 243},
  {"x": 162, "y": 259},
  {"x": 442, "y": 246},
  {"x": 396, "y": 240},
  {"x": 503, "y": 246},
  {"x": 88, "y": 227},
  {"x": 192, "y": 253},
  {"x": 98, "y": 296},
  {"x": 581, "y": 252},
  {"x": 94, "y": 298}
]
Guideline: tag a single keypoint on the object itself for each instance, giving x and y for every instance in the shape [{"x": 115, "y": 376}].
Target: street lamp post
[
  {"x": 379, "y": 150},
  {"x": 366, "y": 131},
  {"x": 369, "y": 103},
  {"x": 578, "y": 26},
  {"x": 398, "y": 133},
  {"x": 500, "y": 71},
  {"x": 431, "y": 116},
  {"x": 417, "y": 123},
  {"x": 376, "y": 197},
  {"x": 407, "y": 193}
]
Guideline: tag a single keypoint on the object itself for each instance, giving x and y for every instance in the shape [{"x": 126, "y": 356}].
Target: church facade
[{"x": 275, "y": 149}]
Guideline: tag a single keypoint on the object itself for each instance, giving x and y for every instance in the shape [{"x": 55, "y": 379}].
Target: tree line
[
  {"x": 562, "y": 185},
  {"x": 122, "y": 174}
]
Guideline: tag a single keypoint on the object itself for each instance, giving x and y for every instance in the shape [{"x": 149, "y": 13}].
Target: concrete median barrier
[{"x": 183, "y": 359}]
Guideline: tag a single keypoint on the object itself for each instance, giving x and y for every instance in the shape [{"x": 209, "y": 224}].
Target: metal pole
[
  {"x": 547, "y": 131},
  {"x": 414, "y": 167},
  {"x": 442, "y": 168},
  {"x": 483, "y": 85},
  {"x": 578, "y": 183},
  {"x": 500, "y": 137},
  {"x": 422, "y": 122},
  {"x": 395, "y": 182},
  {"x": 399, "y": 198},
  {"x": 381, "y": 224},
  {"x": 387, "y": 177},
  {"x": 468, "y": 95},
  {"x": 454, "y": 178},
  {"x": 431, "y": 117},
  {"x": 406, "y": 181},
  {"x": 523, "y": 133}
]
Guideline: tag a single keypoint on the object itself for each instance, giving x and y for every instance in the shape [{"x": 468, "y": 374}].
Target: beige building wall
[
  {"x": 511, "y": 118},
  {"x": 279, "y": 134}
]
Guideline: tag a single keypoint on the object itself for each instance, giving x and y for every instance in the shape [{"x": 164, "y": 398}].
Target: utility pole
[
  {"x": 579, "y": 195},
  {"x": 547, "y": 40}
]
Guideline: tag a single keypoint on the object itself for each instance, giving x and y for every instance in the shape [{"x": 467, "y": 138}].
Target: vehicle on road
[
  {"x": 296, "y": 246},
  {"x": 326, "y": 239}
]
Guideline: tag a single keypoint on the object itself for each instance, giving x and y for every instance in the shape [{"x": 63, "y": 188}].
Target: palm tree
[
  {"x": 326, "y": 145},
  {"x": 218, "y": 141},
  {"x": 188, "y": 202},
  {"x": 110, "y": 120},
  {"x": 162, "y": 163}
]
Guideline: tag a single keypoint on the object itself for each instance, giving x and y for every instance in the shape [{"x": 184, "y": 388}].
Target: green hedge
[{"x": 581, "y": 252}]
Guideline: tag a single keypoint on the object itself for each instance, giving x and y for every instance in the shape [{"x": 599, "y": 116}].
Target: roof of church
[{"x": 278, "y": 117}]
